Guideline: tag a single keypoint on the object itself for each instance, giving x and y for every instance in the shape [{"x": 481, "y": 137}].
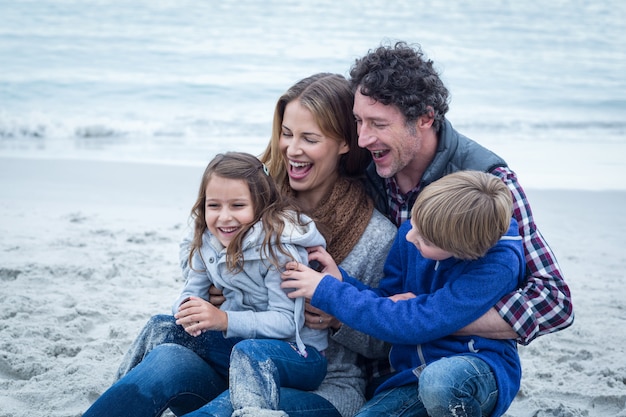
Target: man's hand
[
  {"x": 402, "y": 296},
  {"x": 490, "y": 325}
]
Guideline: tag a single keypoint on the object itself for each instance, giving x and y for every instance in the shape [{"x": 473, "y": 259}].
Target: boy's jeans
[{"x": 464, "y": 385}]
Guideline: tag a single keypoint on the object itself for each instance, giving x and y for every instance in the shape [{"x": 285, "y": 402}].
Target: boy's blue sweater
[{"x": 450, "y": 294}]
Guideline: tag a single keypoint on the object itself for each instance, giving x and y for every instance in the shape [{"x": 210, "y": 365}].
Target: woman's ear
[{"x": 344, "y": 148}]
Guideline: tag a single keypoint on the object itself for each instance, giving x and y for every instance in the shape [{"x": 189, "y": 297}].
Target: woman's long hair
[{"x": 330, "y": 99}]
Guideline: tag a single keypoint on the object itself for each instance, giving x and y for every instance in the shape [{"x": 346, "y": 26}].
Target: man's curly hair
[{"x": 402, "y": 76}]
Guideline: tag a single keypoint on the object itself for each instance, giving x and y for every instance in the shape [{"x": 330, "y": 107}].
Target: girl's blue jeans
[
  {"x": 167, "y": 368},
  {"x": 455, "y": 386}
]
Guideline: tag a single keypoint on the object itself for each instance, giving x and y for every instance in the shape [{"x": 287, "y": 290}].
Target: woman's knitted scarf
[{"x": 342, "y": 216}]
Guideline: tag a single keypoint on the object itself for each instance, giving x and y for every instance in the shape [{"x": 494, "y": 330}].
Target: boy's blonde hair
[{"x": 464, "y": 213}]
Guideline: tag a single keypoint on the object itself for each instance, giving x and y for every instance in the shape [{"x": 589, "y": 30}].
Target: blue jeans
[
  {"x": 294, "y": 402},
  {"x": 170, "y": 376},
  {"x": 263, "y": 366},
  {"x": 167, "y": 368},
  {"x": 161, "y": 329},
  {"x": 259, "y": 367},
  {"x": 458, "y": 385}
]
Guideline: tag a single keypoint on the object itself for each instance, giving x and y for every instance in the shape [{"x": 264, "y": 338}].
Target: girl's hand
[
  {"x": 197, "y": 315},
  {"x": 327, "y": 265},
  {"x": 301, "y": 278}
]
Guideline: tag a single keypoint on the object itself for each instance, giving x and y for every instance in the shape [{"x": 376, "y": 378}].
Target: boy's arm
[
  {"x": 543, "y": 305},
  {"x": 419, "y": 320},
  {"x": 465, "y": 296},
  {"x": 392, "y": 281}
]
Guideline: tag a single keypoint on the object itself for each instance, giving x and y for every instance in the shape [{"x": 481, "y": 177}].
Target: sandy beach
[{"x": 88, "y": 252}]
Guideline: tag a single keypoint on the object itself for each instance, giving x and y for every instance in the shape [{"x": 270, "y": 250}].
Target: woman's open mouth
[{"x": 298, "y": 170}]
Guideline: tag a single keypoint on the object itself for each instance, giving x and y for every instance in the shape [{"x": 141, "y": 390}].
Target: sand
[{"x": 88, "y": 252}]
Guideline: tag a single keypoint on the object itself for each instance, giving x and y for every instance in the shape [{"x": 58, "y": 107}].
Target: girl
[{"x": 244, "y": 234}]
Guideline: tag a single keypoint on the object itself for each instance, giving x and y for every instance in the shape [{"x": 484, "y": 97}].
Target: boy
[{"x": 456, "y": 257}]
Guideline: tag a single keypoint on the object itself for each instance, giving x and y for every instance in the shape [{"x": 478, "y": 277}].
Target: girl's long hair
[{"x": 269, "y": 207}]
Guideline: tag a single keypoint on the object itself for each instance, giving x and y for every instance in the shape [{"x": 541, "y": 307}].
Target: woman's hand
[
  {"x": 197, "y": 315},
  {"x": 216, "y": 296},
  {"x": 319, "y": 320}
]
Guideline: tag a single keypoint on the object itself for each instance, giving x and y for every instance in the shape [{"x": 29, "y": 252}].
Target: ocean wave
[
  {"x": 507, "y": 126},
  {"x": 47, "y": 128},
  {"x": 44, "y": 127},
  {"x": 22, "y": 131},
  {"x": 42, "y": 131},
  {"x": 546, "y": 154},
  {"x": 96, "y": 131}
]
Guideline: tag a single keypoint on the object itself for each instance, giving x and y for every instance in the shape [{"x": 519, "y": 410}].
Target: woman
[{"x": 314, "y": 156}]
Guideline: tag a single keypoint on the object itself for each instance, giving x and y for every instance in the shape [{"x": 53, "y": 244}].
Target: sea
[{"x": 543, "y": 84}]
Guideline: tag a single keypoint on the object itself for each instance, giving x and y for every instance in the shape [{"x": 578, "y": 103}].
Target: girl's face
[
  {"x": 427, "y": 249},
  {"x": 312, "y": 158},
  {"x": 228, "y": 207}
]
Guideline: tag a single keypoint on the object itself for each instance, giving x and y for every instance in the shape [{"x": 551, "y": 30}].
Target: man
[{"x": 399, "y": 106}]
